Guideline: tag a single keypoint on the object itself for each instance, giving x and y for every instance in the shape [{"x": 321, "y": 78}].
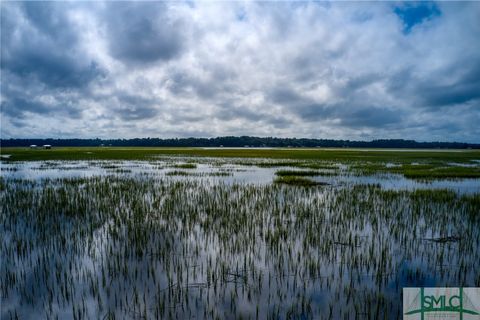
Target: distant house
[
  {"x": 33, "y": 146},
  {"x": 47, "y": 146}
]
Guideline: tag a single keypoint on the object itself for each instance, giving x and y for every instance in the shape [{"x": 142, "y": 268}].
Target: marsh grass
[
  {"x": 295, "y": 156},
  {"x": 180, "y": 173},
  {"x": 301, "y": 173},
  {"x": 306, "y": 173},
  {"x": 429, "y": 164},
  {"x": 198, "y": 174},
  {"x": 424, "y": 171},
  {"x": 297, "y": 181},
  {"x": 442, "y": 173},
  {"x": 158, "y": 247},
  {"x": 185, "y": 166}
]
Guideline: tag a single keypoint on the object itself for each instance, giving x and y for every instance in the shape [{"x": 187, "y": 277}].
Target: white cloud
[{"x": 304, "y": 69}]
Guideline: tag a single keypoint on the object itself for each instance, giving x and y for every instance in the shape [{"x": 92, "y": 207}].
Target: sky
[{"x": 332, "y": 70}]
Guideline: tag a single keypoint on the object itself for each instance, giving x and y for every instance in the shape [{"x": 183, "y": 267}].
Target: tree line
[{"x": 243, "y": 141}]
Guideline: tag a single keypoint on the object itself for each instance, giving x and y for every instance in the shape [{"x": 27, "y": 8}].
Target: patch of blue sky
[{"x": 414, "y": 13}]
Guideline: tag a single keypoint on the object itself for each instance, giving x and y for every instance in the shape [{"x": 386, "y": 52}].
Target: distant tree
[{"x": 231, "y": 141}]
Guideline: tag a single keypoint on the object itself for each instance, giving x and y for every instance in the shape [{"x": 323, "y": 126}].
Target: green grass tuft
[
  {"x": 303, "y": 173},
  {"x": 185, "y": 166},
  {"x": 297, "y": 181}
]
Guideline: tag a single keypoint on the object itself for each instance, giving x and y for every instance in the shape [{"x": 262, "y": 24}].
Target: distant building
[
  {"x": 33, "y": 146},
  {"x": 47, "y": 146}
]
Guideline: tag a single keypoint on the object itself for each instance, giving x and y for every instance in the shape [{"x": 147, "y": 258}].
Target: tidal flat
[{"x": 214, "y": 237}]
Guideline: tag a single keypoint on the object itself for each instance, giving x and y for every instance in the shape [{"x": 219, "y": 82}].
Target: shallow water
[
  {"x": 126, "y": 239},
  {"x": 227, "y": 171}
]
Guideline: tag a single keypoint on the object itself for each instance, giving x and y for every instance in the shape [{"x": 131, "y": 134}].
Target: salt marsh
[{"x": 182, "y": 237}]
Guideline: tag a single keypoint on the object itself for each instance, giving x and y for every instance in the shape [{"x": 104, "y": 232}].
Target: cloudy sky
[{"x": 338, "y": 70}]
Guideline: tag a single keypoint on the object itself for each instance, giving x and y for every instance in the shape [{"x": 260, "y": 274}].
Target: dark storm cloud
[
  {"x": 349, "y": 112},
  {"x": 446, "y": 95},
  {"x": 136, "y": 112},
  {"x": 43, "y": 47},
  {"x": 303, "y": 107},
  {"x": 463, "y": 89},
  {"x": 17, "y": 107},
  {"x": 374, "y": 117},
  {"x": 312, "y": 112},
  {"x": 21, "y": 97},
  {"x": 143, "y": 32},
  {"x": 361, "y": 81},
  {"x": 232, "y": 111},
  {"x": 455, "y": 84},
  {"x": 130, "y": 107},
  {"x": 216, "y": 79},
  {"x": 182, "y": 83},
  {"x": 286, "y": 96},
  {"x": 18, "y": 104}
]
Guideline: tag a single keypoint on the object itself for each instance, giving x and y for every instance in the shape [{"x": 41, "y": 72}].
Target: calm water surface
[{"x": 138, "y": 239}]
